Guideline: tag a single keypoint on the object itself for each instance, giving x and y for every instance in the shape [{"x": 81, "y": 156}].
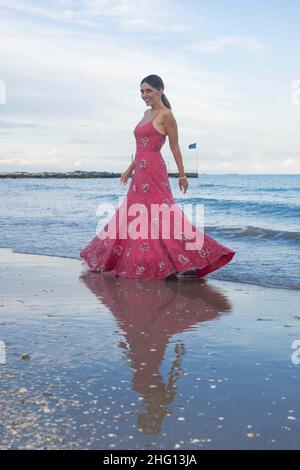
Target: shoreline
[
  {"x": 79, "y": 174},
  {"x": 267, "y": 286}
]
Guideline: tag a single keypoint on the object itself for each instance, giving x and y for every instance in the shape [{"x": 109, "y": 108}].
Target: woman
[{"x": 150, "y": 252}]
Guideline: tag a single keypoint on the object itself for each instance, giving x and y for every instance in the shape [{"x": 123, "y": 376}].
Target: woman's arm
[
  {"x": 170, "y": 126},
  {"x": 131, "y": 167},
  {"x": 127, "y": 173}
]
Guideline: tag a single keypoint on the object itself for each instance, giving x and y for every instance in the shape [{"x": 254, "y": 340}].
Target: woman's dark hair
[{"x": 156, "y": 82}]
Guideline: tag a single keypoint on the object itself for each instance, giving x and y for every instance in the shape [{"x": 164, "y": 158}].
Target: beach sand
[{"x": 88, "y": 362}]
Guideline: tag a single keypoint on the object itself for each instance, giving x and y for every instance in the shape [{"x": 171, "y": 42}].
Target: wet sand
[{"x": 92, "y": 362}]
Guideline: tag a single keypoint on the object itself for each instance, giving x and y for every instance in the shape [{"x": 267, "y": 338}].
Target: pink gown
[{"x": 151, "y": 257}]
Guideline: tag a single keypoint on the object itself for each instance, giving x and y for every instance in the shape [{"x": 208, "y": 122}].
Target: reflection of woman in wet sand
[
  {"x": 149, "y": 313},
  {"x": 157, "y": 396}
]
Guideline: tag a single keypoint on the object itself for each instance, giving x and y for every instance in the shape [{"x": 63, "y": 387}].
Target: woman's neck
[{"x": 158, "y": 108}]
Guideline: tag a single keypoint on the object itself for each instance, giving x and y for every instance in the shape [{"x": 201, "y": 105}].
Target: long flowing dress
[{"x": 134, "y": 243}]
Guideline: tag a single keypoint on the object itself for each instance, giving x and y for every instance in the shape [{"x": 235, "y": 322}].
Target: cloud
[
  {"x": 73, "y": 77},
  {"x": 72, "y": 71},
  {"x": 257, "y": 166},
  {"x": 220, "y": 43},
  {"x": 15, "y": 124},
  {"x": 288, "y": 163},
  {"x": 32, "y": 9},
  {"x": 132, "y": 15},
  {"x": 129, "y": 15},
  {"x": 227, "y": 152}
]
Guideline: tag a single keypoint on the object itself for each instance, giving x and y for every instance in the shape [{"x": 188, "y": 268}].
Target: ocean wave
[
  {"x": 249, "y": 231},
  {"x": 257, "y": 208}
]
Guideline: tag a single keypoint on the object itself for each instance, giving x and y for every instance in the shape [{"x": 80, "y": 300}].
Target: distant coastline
[{"x": 75, "y": 174}]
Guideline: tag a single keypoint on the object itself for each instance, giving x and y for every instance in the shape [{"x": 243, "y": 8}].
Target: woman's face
[{"x": 150, "y": 94}]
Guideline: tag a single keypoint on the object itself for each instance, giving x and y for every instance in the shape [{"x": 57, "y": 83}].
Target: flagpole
[{"x": 195, "y": 146}]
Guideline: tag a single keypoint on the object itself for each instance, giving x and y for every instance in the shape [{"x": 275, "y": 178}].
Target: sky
[{"x": 70, "y": 74}]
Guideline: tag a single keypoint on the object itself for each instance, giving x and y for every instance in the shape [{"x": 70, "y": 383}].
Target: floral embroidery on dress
[
  {"x": 166, "y": 186},
  {"x": 134, "y": 187},
  {"x": 166, "y": 202},
  {"x": 144, "y": 247},
  {"x": 161, "y": 265},
  {"x": 128, "y": 251},
  {"x": 106, "y": 243},
  {"x": 143, "y": 163},
  {"x": 145, "y": 187},
  {"x": 204, "y": 252},
  {"x": 102, "y": 267},
  {"x": 183, "y": 259},
  {"x": 144, "y": 141},
  {"x": 118, "y": 250},
  {"x": 140, "y": 269}
]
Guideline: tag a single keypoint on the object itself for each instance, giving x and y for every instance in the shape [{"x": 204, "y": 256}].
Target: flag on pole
[{"x": 193, "y": 146}]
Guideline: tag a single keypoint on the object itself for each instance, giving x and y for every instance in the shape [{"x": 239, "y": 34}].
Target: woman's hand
[
  {"x": 183, "y": 184},
  {"x": 125, "y": 176}
]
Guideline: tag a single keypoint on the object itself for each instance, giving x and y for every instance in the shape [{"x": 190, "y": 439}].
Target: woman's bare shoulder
[
  {"x": 168, "y": 113},
  {"x": 167, "y": 116}
]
